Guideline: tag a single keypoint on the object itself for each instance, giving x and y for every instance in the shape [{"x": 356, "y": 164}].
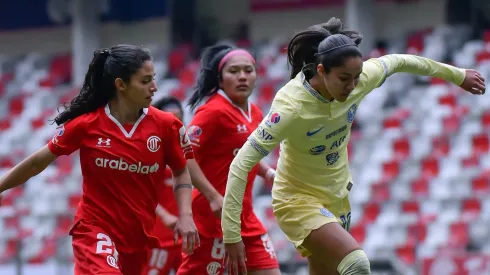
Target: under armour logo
[
  {"x": 104, "y": 143},
  {"x": 241, "y": 128}
]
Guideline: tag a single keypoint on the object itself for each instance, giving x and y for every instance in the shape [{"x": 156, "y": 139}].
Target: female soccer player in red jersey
[
  {"x": 217, "y": 131},
  {"x": 124, "y": 146},
  {"x": 167, "y": 257}
]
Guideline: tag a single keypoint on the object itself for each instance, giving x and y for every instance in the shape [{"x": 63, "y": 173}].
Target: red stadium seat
[
  {"x": 9, "y": 252},
  {"x": 471, "y": 161},
  {"x": 392, "y": 122},
  {"x": 459, "y": 235},
  {"x": 486, "y": 36},
  {"x": 371, "y": 212},
  {"x": 73, "y": 201},
  {"x": 411, "y": 207},
  {"x": 391, "y": 170},
  {"x": 359, "y": 233},
  {"x": 401, "y": 148},
  {"x": 16, "y": 106},
  {"x": 481, "y": 185},
  {"x": 430, "y": 167},
  {"x": 440, "y": 146},
  {"x": 420, "y": 188},
  {"x": 451, "y": 124},
  {"x": 4, "y": 124},
  {"x": 480, "y": 144},
  {"x": 407, "y": 254},
  {"x": 482, "y": 56},
  {"x": 380, "y": 192},
  {"x": 418, "y": 231},
  {"x": 471, "y": 207},
  {"x": 448, "y": 100},
  {"x": 485, "y": 120},
  {"x": 47, "y": 251}
]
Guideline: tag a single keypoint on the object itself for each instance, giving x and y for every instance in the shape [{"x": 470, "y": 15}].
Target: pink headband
[{"x": 234, "y": 53}]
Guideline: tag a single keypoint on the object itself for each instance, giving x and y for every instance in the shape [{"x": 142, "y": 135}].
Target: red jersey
[
  {"x": 217, "y": 131},
  {"x": 167, "y": 200},
  {"x": 122, "y": 165}
]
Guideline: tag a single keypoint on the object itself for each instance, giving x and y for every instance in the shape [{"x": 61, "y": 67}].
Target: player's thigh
[
  {"x": 163, "y": 261},
  {"x": 133, "y": 263},
  {"x": 206, "y": 259},
  {"x": 261, "y": 256},
  {"x": 94, "y": 251},
  {"x": 329, "y": 245}
]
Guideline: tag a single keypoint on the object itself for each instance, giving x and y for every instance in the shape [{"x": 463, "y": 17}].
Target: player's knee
[{"x": 355, "y": 263}]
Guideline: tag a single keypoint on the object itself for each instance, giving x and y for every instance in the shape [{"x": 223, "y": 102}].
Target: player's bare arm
[
  {"x": 185, "y": 226},
  {"x": 202, "y": 184},
  {"x": 265, "y": 171},
  {"x": 168, "y": 219},
  {"x": 28, "y": 168}
]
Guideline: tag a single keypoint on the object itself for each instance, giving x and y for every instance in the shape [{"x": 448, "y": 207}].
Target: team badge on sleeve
[
  {"x": 194, "y": 133},
  {"x": 54, "y": 140},
  {"x": 185, "y": 143},
  {"x": 351, "y": 114},
  {"x": 272, "y": 118}
]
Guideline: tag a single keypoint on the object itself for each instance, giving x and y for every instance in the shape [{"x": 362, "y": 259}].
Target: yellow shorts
[{"x": 297, "y": 215}]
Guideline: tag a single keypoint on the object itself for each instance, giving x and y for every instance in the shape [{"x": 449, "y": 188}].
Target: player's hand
[
  {"x": 1, "y": 197},
  {"x": 216, "y": 205},
  {"x": 235, "y": 258},
  {"x": 473, "y": 82},
  {"x": 186, "y": 228},
  {"x": 169, "y": 220}
]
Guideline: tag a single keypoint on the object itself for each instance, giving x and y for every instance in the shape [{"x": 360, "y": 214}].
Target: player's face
[
  {"x": 238, "y": 78},
  {"x": 141, "y": 87},
  {"x": 176, "y": 111},
  {"x": 341, "y": 81}
]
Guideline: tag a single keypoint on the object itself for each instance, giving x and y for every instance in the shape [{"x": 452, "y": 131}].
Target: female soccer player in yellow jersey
[{"x": 311, "y": 116}]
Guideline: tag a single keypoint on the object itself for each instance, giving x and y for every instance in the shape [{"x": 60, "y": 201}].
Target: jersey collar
[
  {"x": 121, "y": 127},
  {"x": 248, "y": 116},
  {"x": 311, "y": 90}
]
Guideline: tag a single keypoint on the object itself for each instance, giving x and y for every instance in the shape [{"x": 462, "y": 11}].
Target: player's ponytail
[
  {"x": 98, "y": 88},
  {"x": 305, "y": 46},
  {"x": 209, "y": 76}
]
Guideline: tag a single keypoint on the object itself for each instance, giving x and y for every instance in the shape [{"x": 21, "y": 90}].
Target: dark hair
[
  {"x": 326, "y": 43},
  {"x": 209, "y": 76},
  {"x": 168, "y": 101},
  {"x": 120, "y": 61}
]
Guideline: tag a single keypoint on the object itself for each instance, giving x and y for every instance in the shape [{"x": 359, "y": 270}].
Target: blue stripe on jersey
[
  {"x": 257, "y": 146},
  {"x": 310, "y": 89}
]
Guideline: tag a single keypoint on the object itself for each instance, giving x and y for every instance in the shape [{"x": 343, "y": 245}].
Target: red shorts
[
  {"x": 95, "y": 253},
  {"x": 209, "y": 257},
  {"x": 163, "y": 261}
]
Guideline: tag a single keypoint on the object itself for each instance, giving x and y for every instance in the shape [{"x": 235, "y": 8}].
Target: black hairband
[
  {"x": 334, "y": 48},
  {"x": 106, "y": 51}
]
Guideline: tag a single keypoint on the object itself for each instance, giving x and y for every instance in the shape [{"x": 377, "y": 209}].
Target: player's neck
[
  {"x": 318, "y": 85},
  {"x": 123, "y": 113}
]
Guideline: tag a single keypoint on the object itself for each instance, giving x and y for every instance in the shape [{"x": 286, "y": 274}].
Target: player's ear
[
  {"x": 320, "y": 70},
  {"x": 120, "y": 84}
]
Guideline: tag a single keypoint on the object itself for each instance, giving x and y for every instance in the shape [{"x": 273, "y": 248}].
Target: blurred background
[{"x": 419, "y": 150}]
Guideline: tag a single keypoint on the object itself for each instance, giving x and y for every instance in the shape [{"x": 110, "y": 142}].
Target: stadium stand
[{"x": 419, "y": 154}]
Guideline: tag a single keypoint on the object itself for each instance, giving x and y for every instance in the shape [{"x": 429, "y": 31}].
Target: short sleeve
[
  {"x": 178, "y": 146},
  {"x": 202, "y": 127},
  {"x": 275, "y": 127},
  {"x": 69, "y": 137}
]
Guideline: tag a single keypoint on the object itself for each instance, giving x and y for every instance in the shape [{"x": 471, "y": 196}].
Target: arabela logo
[
  {"x": 153, "y": 143},
  {"x": 275, "y": 118},
  {"x": 121, "y": 165}
]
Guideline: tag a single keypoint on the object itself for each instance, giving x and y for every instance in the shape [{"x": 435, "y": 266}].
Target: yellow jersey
[{"x": 313, "y": 134}]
